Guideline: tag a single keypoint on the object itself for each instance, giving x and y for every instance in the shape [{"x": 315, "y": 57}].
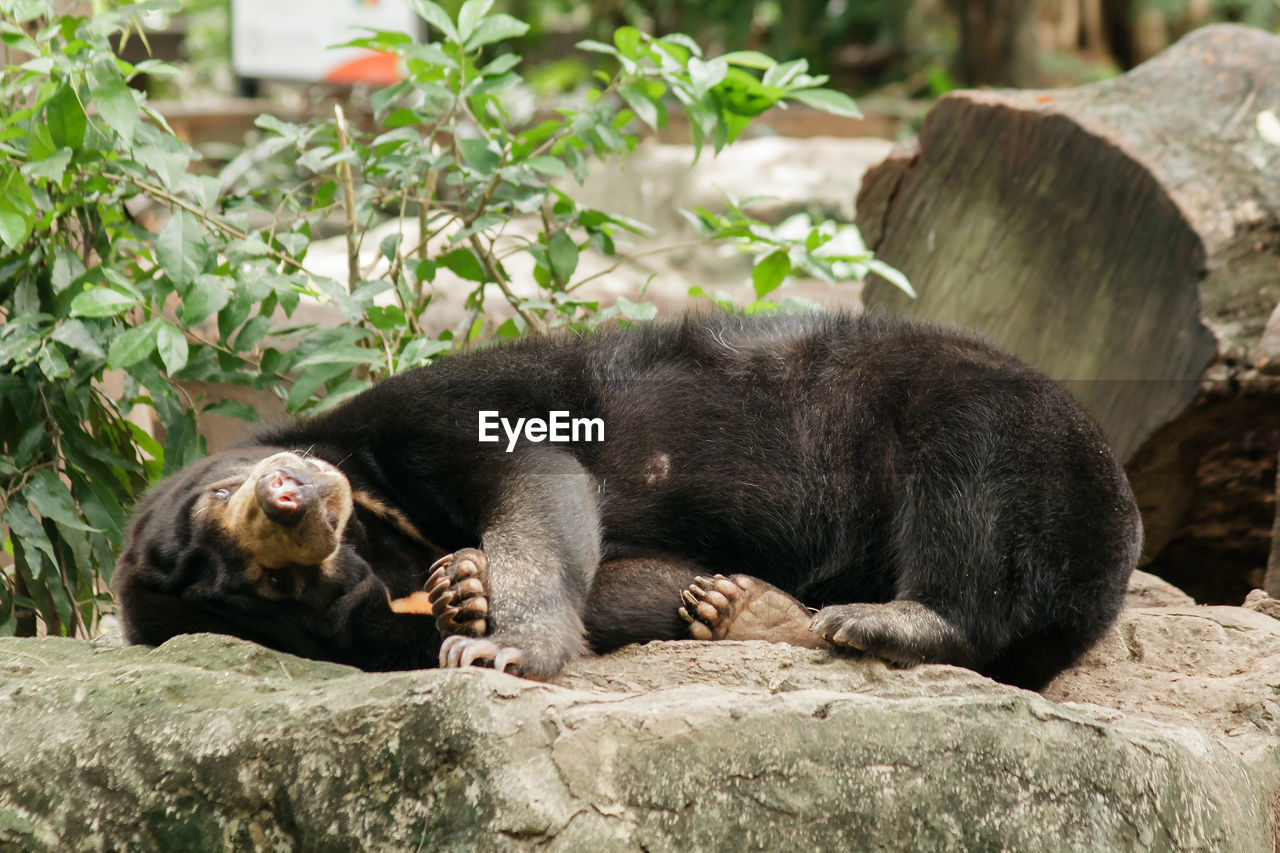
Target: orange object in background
[
  {"x": 294, "y": 39},
  {"x": 377, "y": 68}
]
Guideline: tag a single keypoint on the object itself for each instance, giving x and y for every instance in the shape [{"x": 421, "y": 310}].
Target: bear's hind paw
[
  {"x": 901, "y": 632},
  {"x": 740, "y": 607}
]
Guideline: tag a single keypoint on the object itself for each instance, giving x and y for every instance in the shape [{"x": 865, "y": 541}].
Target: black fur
[{"x": 843, "y": 459}]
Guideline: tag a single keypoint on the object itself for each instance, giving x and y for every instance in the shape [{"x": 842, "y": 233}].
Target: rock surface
[{"x": 1166, "y": 738}]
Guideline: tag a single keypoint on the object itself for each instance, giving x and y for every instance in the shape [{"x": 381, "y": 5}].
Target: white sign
[{"x": 291, "y": 39}]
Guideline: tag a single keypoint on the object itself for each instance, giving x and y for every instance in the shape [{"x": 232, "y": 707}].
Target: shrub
[{"x": 104, "y": 317}]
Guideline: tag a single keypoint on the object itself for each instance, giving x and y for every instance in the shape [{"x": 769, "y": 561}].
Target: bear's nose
[{"x": 285, "y": 494}]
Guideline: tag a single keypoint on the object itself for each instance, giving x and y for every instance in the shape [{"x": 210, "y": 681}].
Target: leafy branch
[{"x": 129, "y": 278}]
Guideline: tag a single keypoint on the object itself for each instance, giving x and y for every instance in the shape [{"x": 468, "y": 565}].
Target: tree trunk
[
  {"x": 997, "y": 42},
  {"x": 1122, "y": 236},
  {"x": 1272, "y": 583}
]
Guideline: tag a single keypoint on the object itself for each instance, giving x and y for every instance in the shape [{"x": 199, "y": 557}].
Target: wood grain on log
[{"x": 1123, "y": 236}]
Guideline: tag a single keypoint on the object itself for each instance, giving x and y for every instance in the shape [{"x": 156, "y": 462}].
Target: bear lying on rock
[{"x": 933, "y": 498}]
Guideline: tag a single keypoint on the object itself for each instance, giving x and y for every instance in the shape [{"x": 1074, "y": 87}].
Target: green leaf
[
  {"x": 784, "y": 73},
  {"x": 27, "y": 530},
  {"x": 464, "y": 264},
  {"x": 116, "y": 105},
  {"x": 680, "y": 41},
  {"x": 252, "y": 333},
  {"x": 338, "y": 295},
  {"x": 172, "y": 345},
  {"x": 66, "y": 118},
  {"x": 431, "y": 54},
  {"x": 546, "y": 165},
  {"x": 437, "y": 17},
  {"x": 648, "y": 111},
  {"x": 478, "y": 155},
  {"x": 288, "y": 130},
  {"x": 389, "y": 246},
  {"x": 134, "y": 345},
  {"x": 628, "y": 41},
  {"x": 53, "y": 364},
  {"x": 101, "y": 302},
  {"x": 496, "y": 28},
  {"x": 770, "y": 272},
  {"x": 52, "y": 167},
  {"x": 183, "y": 443},
  {"x": 563, "y": 254},
  {"x": 749, "y": 59},
  {"x": 340, "y": 393},
  {"x": 40, "y": 142},
  {"x": 157, "y": 68},
  {"x": 501, "y": 65},
  {"x": 14, "y": 37},
  {"x": 422, "y": 350},
  {"x": 593, "y": 46},
  {"x": 346, "y": 355},
  {"x": 704, "y": 75},
  {"x": 637, "y": 310},
  {"x": 17, "y": 210},
  {"x": 827, "y": 100},
  {"x": 891, "y": 275},
  {"x": 744, "y": 95},
  {"x": 207, "y": 294},
  {"x": 181, "y": 248},
  {"x": 484, "y": 85},
  {"x": 76, "y": 335},
  {"x": 102, "y": 507},
  {"x": 512, "y": 327},
  {"x": 310, "y": 381},
  {"x": 233, "y": 409},
  {"x": 386, "y": 318},
  {"x": 469, "y": 15},
  {"x": 47, "y": 495}
]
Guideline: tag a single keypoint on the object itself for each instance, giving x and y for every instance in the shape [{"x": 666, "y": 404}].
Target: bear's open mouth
[{"x": 286, "y": 494}]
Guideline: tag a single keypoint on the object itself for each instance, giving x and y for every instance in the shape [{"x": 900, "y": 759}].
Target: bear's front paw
[
  {"x": 457, "y": 591},
  {"x": 459, "y": 651}
]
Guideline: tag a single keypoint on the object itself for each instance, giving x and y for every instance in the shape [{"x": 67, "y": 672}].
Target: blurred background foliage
[{"x": 899, "y": 48}]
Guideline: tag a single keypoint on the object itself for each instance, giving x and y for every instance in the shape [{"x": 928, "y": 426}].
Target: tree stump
[
  {"x": 1124, "y": 237},
  {"x": 1272, "y": 583}
]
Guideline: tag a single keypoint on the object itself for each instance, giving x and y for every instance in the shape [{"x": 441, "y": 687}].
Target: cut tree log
[
  {"x": 1124, "y": 237},
  {"x": 1272, "y": 583}
]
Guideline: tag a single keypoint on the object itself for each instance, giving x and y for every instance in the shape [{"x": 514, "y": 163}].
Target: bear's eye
[{"x": 278, "y": 582}]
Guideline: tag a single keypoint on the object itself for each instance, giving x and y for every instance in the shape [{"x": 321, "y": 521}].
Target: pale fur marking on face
[{"x": 311, "y": 542}]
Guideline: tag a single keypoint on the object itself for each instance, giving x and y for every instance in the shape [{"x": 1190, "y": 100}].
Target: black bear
[{"x": 934, "y": 498}]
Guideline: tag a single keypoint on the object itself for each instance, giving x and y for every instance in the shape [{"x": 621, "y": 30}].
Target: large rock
[{"x": 1165, "y": 739}]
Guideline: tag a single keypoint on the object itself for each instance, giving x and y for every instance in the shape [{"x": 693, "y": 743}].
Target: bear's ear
[
  {"x": 148, "y": 613},
  {"x": 162, "y": 560},
  {"x": 158, "y": 602}
]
